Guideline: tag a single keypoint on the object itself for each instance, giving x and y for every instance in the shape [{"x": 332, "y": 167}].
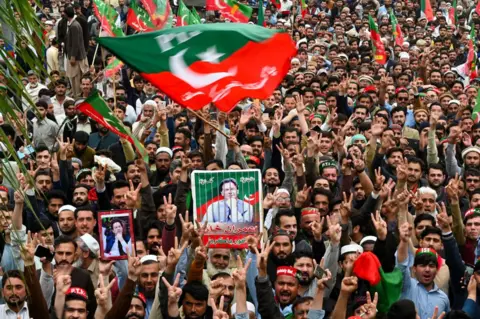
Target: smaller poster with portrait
[
  {"x": 115, "y": 228},
  {"x": 231, "y": 202}
]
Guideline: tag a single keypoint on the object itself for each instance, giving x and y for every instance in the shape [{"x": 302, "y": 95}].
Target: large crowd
[{"x": 368, "y": 170}]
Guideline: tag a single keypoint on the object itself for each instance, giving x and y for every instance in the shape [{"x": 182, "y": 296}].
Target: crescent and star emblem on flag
[{"x": 197, "y": 80}]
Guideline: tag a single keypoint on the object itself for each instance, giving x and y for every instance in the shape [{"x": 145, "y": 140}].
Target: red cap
[
  {"x": 78, "y": 291},
  {"x": 4, "y": 188},
  {"x": 286, "y": 271},
  {"x": 401, "y": 89},
  {"x": 370, "y": 88},
  {"x": 309, "y": 211}
]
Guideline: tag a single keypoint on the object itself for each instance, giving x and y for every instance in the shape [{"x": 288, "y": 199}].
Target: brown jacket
[{"x": 74, "y": 44}]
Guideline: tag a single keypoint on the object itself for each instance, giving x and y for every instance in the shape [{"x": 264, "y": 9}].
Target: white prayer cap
[
  {"x": 146, "y": 258},
  {"x": 164, "y": 150},
  {"x": 352, "y": 248},
  {"x": 91, "y": 243},
  {"x": 368, "y": 239},
  {"x": 66, "y": 207}
]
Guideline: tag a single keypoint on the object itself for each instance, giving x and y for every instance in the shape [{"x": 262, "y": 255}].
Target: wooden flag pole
[
  {"x": 95, "y": 54},
  {"x": 209, "y": 123}
]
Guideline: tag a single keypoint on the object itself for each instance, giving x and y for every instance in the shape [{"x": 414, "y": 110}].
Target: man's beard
[
  {"x": 305, "y": 282},
  {"x": 79, "y": 202},
  {"x": 78, "y": 263},
  {"x": 79, "y": 152},
  {"x": 70, "y": 232},
  {"x": 212, "y": 270},
  {"x": 82, "y": 117},
  {"x": 15, "y": 303},
  {"x": 134, "y": 315}
]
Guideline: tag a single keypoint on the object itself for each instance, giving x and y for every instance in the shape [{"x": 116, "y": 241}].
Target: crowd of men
[{"x": 357, "y": 158}]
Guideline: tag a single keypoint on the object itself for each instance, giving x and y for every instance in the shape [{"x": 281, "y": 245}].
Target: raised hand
[
  {"x": 253, "y": 242},
  {"x": 435, "y": 314},
  {"x": 170, "y": 209},
  {"x": 100, "y": 174},
  {"x": 201, "y": 254},
  {"x": 28, "y": 251},
  {"x": 379, "y": 179},
  {"x": 334, "y": 230},
  {"x": 317, "y": 229},
  {"x": 349, "y": 285},
  {"x": 405, "y": 232},
  {"x": 269, "y": 200},
  {"x": 380, "y": 225},
  {"x": 240, "y": 274},
  {"x": 346, "y": 207},
  {"x": 370, "y": 308},
  {"x": 134, "y": 266},
  {"x": 187, "y": 228},
  {"x": 453, "y": 188},
  {"x": 217, "y": 287},
  {"x": 218, "y": 313},
  {"x": 105, "y": 267},
  {"x": 174, "y": 292},
  {"x": 358, "y": 164},
  {"x": 442, "y": 219},
  {"x": 401, "y": 170},
  {"x": 174, "y": 254},
  {"x": 322, "y": 282},
  {"x": 300, "y": 105},
  {"x": 102, "y": 292},
  {"x": 132, "y": 195},
  {"x": 302, "y": 196},
  {"x": 262, "y": 258},
  {"x": 63, "y": 283}
]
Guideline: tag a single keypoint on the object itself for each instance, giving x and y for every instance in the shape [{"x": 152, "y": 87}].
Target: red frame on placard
[{"x": 103, "y": 214}]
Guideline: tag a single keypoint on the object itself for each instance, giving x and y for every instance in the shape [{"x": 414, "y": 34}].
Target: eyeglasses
[{"x": 402, "y": 98}]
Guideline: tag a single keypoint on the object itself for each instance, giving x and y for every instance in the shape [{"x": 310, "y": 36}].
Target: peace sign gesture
[
  {"x": 174, "y": 255},
  {"x": 174, "y": 292},
  {"x": 358, "y": 164},
  {"x": 302, "y": 196},
  {"x": 401, "y": 170},
  {"x": 187, "y": 228},
  {"x": 379, "y": 179},
  {"x": 240, "y": 274},
  {"x": 218, "y": 313},
  {"x": 435, "y": 313},
  {"x": 102, "y": 292},
  {"x": 317, "y": 228},
  {"x": 334, "y": 230},
  {"x": 452, "y": 189},
  {"x": 380, "y": 225},
  {"x": 285, "y": 153},
  {"x": 170, "y": 209},
  {"x": 132, "y": 195},
  {"x": 99, "y": 175},
  {"x": 346, "y": 207},
  {"x": 369, "y": 309},
  {"x": 262, "y": 258}
]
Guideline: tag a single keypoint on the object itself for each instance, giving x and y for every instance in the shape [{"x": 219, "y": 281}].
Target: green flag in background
[
  {"x": 195, "y": 17},
  {"x": 96, "y": 108},
  {"x": 261, "y": 18},
  {"x": 476, "y": 109}
]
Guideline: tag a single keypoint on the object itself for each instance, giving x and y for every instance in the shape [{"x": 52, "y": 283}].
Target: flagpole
[
  {"x": 95, "y": 54},
  {"x": 209, "y": 123}
]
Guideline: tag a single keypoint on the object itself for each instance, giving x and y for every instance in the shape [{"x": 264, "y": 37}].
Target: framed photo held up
[
  {"x": 231, "y": 202},
  {"x": 115, "y": 228}
]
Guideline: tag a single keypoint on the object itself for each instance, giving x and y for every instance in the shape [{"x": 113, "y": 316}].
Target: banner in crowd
[
  {"x": 230, "y": 201},
  {"x": 116, "y": 234}
]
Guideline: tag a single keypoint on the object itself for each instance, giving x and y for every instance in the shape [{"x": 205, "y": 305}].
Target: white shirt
[
  {"x": 52, "y": 59},
  {"x": 58, "y": 107},
  {"x": 7, "y": 313},
  {"x": 33, "y": 93}
]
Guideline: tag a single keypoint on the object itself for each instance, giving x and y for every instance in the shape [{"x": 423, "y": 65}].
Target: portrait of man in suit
[{"x": 229, "y": 209}]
